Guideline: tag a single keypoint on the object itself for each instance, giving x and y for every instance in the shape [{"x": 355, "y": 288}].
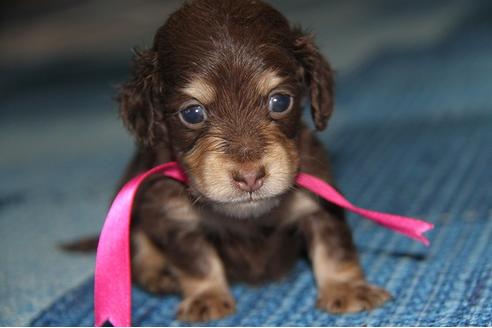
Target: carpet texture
[
  {"x": 418, "y": 141},
  {"x": 411, "y": 135}
]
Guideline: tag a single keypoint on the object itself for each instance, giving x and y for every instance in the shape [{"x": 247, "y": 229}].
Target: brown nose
[{"x": 249, "y": 178}]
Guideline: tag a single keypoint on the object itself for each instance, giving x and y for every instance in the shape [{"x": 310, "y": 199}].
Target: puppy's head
[{"x": 224, "y": 84}]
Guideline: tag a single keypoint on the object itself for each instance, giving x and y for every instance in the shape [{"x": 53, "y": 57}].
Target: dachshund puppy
[{"x": 221, "y": 91}]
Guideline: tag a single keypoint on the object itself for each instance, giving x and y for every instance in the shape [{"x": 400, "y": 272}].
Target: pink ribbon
[{"x": 112, "y": 287}]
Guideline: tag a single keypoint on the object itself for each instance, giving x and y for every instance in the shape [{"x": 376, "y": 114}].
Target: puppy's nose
[{"x": 249, "y": 178}]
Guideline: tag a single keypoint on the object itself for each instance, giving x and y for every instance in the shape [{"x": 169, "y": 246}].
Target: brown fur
[{"x": 231, "y": 55}]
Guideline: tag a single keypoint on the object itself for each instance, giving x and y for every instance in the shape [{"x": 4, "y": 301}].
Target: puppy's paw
[
  {"x": 209, "y": 305},
  {"x": 350, "y": 297}
]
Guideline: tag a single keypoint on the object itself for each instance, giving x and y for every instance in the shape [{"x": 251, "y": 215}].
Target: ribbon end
[
  {"x": 425, "y": 229},
  {"x": 420, "y": 235},
  {"x": 107, "y": 322},
  {"x": 99, "y": 322}
]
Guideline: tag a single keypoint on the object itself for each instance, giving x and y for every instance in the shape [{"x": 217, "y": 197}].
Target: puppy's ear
[
  {"x": 318, "y": 76},
  {"x": 140, "y": 106}
]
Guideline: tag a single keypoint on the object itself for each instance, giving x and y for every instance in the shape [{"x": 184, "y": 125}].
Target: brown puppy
[{"x": 221, "y": 92}]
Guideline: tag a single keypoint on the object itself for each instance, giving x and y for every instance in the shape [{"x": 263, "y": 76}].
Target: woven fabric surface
[
  {"x": 411, "y": 134},
  {"x": 415, "y": 139}
]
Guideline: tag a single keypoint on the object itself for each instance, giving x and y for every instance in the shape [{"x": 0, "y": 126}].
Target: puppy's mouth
[
  {"x": 250, "y": 206},
  {"x": 250, "y": 199},
  {"x": 240, "y": 204},
  {"x": 247, "y": 195}
]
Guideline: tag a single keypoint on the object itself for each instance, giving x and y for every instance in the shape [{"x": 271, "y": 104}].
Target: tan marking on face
[
  {"x": 201, "y": 90},
  {"x": 267, "y": 81},
  {"x": 328, "y": 269},
  {"x": 211, "y": 174},
  {"x": 205, "y": 162},
  {"x": 280, "y": 163}
]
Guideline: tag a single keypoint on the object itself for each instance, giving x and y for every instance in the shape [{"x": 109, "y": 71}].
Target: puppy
[{"x": 221, "y": 91}]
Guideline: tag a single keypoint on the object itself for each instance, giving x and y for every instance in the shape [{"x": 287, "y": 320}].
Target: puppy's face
[
  {"x": 234, "y": 124},
  {"x": 236, "y": 135},
  {"x": 228, "y": 97}
]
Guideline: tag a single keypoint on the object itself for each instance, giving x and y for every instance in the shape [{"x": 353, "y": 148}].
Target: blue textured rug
[
  {"x": 434, "y": 173},
  {"x": 412, "y": 134},
  {"x": 404, "y": 152}
]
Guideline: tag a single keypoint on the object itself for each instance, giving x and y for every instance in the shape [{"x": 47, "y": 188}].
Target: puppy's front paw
[
  {"x": 206, "y": 306},
  {"x": 350, "y": 297}
]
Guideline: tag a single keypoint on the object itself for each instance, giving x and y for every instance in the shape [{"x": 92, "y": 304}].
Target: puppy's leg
[
  {"x": 341, "y": 284},
  {"x": 187, "y": 265},
  {"x": 150, "y": 268},
  {"x": 177, "y": 253},
  {"x": 206, "y": 292},
  {"x": 342, "y": 287}
]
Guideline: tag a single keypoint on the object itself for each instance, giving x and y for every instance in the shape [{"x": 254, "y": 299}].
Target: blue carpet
[
  {"x": 416, "y": 139},
  {"x": 434, "y": 173},
  {"x": 412, "y": 134}
]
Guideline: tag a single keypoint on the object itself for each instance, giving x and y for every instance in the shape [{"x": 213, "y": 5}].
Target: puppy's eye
[
  {"x": 193, "y": 116},
  {"x": 279, "y": 104}
]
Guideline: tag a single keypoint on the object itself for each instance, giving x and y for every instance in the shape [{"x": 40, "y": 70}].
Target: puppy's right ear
[{"x": 139, "y": 99}]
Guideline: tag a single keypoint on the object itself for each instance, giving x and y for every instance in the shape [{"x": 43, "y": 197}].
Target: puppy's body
[
  {"x": 253, "y": 249},
  {"x": 221, "y": 92}
]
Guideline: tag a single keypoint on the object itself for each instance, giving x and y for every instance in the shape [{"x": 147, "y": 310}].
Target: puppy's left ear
[{"x": 318, "y": 76}]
